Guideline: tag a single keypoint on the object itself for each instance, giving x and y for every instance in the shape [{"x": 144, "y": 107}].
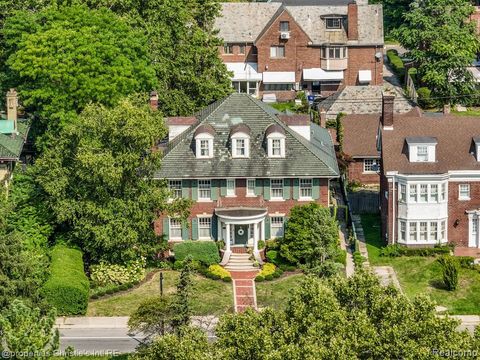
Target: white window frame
[
  {"x": 335, "y": 23},
  {"x": 465, "y": 191},
  {"x": 443, "y": 191},
  {"x": 236, "y": 139},
  {"x": 175, "y": 225},
  {"x": 422, "y": 156},
  {"x": 425, "y": 232},
  {"x": 250, "y": 191},
  {"x": 231, "y": 190},
  {"x": 204, "y": 223},
  {"x": 277, "y": 226},
  {"x": 413, "y": 229},
  {"x": 403, "y": 230},
  {"x": 306, "y": 188},
  {"x": 202, "y": 190},
  {"x": 278, "y": 187},
  {"x": 230, "y": 48},
  {"x": 200, "y": 139},
  {"x": 433, "y": 196},
  {"x": 282, "y": 29},
  {"x": 278, "y": 138},
  {"x": 413, "y": 195},
  {"x": 402, "y": 194},
  {"x": 175, "y": 186},
  {"x": 274, "y": 52},
  {"x": 423, "y": 199},
  {"x": 368, "y": 166},
  {"x": 433, "y": 231}
]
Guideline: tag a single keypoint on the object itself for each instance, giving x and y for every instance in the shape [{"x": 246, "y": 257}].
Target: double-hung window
[
  {"x": 413, "y": 193},
  {"x": 276, "y": 226},
  {"x": 205, "y": 148},
  {"x": 403, "y": 193},
  {"x": 422, "y": 153},
  {"x": 250, "y": 187},
  {"x": 433, "y": 230},
  {"x": 464, "y": 192},
  {"x": 443, "y": 193},
  {"x": 306, "y": 188},
  {"x": 284, "y": 26},
  {"x": 333, "y": 23},
  {"x": 423, "y": 231},
  {"x": 412, "y": 231},
  {"x": 434, "y": 193},
  {"x": 204, "y": 189},
  {"x": 403, "y": 230},
  {"x": 241, "y": 49},
  {"x": 230, "y": 187},
  {"x": 276, "y": 147},
  {"x": 276, "y": 188},
  {"x": 228, "y": 49},
  {"x": 175, "y": 229},
  {"x": 240, "y": 147},
  {"x": 423, "y": 193},
  {"x": 277, "y": 51},
  {"x": 443, "y": 227},
  {"x": 175, "y": 187},
  {"x": 204, "y": 226}
]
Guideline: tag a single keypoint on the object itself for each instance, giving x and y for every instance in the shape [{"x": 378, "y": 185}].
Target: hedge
[
  {"x": 400, "y": 250},
  {"x": 396, "y": 63},
  {"x": 204, "y": 251},
  {"x": 67, "y": 286}
]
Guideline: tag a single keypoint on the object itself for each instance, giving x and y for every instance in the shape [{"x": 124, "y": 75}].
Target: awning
[
  {"x": 365, "y": 76},
  {"x": 317, "y": 74},
  {"x": 278, "y": 77},
  {"x": 244, "y": 71}
]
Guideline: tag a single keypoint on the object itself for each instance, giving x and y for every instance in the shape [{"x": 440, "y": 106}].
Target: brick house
[
  {"x": 13, "y": 134},
  {"x": 430, "y": 178},
  {"x": 245, "y": 165},
  {"x": 275, "y": 49}
]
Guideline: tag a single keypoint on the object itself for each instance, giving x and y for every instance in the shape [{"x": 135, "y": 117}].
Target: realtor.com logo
[
  {"x": 40, "y": 354},
  {"x": 456, "y": 354}
]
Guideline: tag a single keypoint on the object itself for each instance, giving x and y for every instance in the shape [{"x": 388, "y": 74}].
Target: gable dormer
[
  {"x": 421, "y": 149},
  {"x": 240, "y": 141},
  {"x": 275, "y": 136},
  {"x": 204, "y": 136}
]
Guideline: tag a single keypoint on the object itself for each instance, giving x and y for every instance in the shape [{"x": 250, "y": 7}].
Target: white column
[
  {"x": 262, "y": 230},
  {"x": 255, "y": 237},
  {"x": 227, "y": 237}
]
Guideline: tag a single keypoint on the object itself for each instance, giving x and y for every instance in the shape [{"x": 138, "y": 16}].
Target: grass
[
  {"x": 469, "y": 112},
  {"x": 210, "y": 297},
  {"x": 423, "y": 275},
  {"x": 275, "y": 293}
]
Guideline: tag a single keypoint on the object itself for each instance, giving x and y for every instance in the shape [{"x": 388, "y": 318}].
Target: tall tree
[
  {"x": 63, "y": 57},
  {"x": 442, "y": 43},
  {"x": 98, "y": 178},
  {"x": 181, "y": 303}
]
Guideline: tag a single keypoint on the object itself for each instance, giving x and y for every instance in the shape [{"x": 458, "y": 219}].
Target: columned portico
[{"x": 241, "y": 227}]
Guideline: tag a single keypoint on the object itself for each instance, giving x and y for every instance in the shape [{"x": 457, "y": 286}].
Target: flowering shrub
[
  {"x": 105, "y": 274},
  {"x": 268, "y": 269},
  {"x": 219, "y": 271}
]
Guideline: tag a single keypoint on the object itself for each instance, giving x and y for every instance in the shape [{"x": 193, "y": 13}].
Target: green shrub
[
  {"x": 424, "y": 98},
  {"x": 178, "y": 265},
  {"x": 396, "y": 63},
  {"x": 123, "y": 287},
  {"x": 215, "y": 277},
  {"x": 219, "y": 271},
  {"x": 272, "y": 256},
  {"x": 261, "y": 244},
  {"x": 110, "y": 291},
  {"x": 259, "y": 278},
  {"x": 268, "y": 269},
  {"x": 341, "y": 257},
  {"x": 129, "y": 286},
  {"x": 272, "y": 244},
  {"x": 400, "y": 250},
  {"x": 101, "y": 293},
  {"x": 94, "y": 296},
  {"x": 466, "y": 262},
  {"x": 67, "y": 288},
  {"x": 203, "y": 251},
  {"x": 104, "y": 274},
  {"x": 450, "y": 271},
  {"x": 269, "y": 277},
  {"x": 358, "y": 259},
  {"x": 227, "y": 279},
  {"x": 391, "y": 251},
  {"x": 164, "y": 265}
]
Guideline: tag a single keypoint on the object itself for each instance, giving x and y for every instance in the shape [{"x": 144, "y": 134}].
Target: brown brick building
[
  {"x": 244, "y": 165},
  {"x": 430, "y": 178},
  {"x": 275, "y": 49}
]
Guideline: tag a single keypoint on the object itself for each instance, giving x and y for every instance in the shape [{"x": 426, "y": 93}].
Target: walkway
[{"x": 244, "y": 293}]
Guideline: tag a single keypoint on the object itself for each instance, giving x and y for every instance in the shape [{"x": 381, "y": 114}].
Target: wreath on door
[{"x": 240, "y": 232}]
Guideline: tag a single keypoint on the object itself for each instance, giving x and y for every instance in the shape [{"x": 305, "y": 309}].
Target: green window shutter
[
  {"x": 185, "y": 231},
  {"x": 267, "y": 227},
  {"x": 316, "y": 188},
  {"x": 223, "y": 190},
  {"x": 214, "y": 227},
  {"x": 194, "y": 229},
  {"x": 214, "y": 189},
  {"x": 266, "y": 189},
  {"x": 258, "y": 187},
  {"x": 285, "y": 221},
  {"x": 286, "y": 189},
  {"x": 194, "y": 189},
  {"x": 166, "y": 227},
  {"x": 185, "y": 189},
  {"x": 296, "y": 190}
]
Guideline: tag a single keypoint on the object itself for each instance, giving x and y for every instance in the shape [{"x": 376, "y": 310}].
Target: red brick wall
[
  {"x": 456, "y": 211},
  {"x": 249, "y": 55},
  {"x": 363, "y": 58},
  {"x": 355, "y": 173},
  {"x": 241, "y": 199}
]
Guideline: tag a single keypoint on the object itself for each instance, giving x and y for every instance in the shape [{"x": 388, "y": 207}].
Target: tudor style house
[
  {"x": 430, "y": 178},
  {"x": 276, "y": 48},
  {"x": 13, "y": 134},
  {"x": 245, "y": 165}
]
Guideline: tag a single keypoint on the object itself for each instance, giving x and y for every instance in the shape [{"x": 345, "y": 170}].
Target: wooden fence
[{"x": 364, "y": 202}]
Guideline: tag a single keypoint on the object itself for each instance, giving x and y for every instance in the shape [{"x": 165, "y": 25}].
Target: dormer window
[
  {"x": 240, "y": 139},
  {"x": 333, "y": 23},
  {"x": 204, "y": 136},
  {"x": 275, "y": 141},
  {"x": 421, "y": 149}
]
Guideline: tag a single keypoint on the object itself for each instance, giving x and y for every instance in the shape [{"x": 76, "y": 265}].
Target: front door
[{"x": 241, "y": 234}]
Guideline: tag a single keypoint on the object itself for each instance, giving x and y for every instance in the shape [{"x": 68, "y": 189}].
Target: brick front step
[
  {"x": 244, "y": 291},
  {"x": 245, "y": 301},
  {"x": 239, "y": 250}
]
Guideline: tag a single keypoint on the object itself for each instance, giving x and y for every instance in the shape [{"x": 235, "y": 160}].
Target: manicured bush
[
  {"x": 227, "y": 279},
  {"x": 272, "y": 256},
  {"x": 215, "y": 277},
  {"x": 104, "y": 274},
  {"x": 219, "y": 271},
  {"x": 424, "y": 98},
  {"x": 269, "y": 277},
  {"x": 261, "y": 244},
  {"x": 268, "y": 269},
  {"x": 272, "y": 244},
  {"x": 341, "y": 257},
  {"x": 450, "y": 271},
  {"x": 123, "y": 287},
  {"x": 396, "y": 63},
  {"x": 110, "y": 291},
  {"x": 259, "y": 278},
  {"x": 67, "y": 286},
  {"x": 400, "y": 250},
  {"x": 203, "y": 251}
]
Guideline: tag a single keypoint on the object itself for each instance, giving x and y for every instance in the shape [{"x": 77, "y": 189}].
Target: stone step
[
  {"x": 240, "y": 255},
  {"x": 240, "y": 267},
  {"x": 239, "y": 260}
]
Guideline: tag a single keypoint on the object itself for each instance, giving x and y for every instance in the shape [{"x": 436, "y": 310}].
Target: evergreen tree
[{"x": 181, "y": 304}]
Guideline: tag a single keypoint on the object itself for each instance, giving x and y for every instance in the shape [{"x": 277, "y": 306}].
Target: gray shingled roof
[
  {"x": 303, "y": 158},
  {"x": 244, "y": 22},
  {"x": 11, "y": 146}
]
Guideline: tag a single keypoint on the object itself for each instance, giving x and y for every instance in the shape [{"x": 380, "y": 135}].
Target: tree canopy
[
  {"x": 98, "y": 181},
  {"x": 442, "y": 43}
]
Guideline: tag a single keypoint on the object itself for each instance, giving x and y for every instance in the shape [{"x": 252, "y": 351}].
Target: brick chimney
[
  {"x": 352, "y": 23},
  {"x": 154, "y": 100},
  {"x": 12, "y": 107},
  {"x": 323, "y": 117},
  {"x": 388, "y": 101}
]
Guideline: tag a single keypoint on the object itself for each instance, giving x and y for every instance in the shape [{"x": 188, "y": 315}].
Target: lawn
[
  {"x": 423, "y": 275},
  {"x": 275, "y": 293},
  {"x": 210, "y": 297}
]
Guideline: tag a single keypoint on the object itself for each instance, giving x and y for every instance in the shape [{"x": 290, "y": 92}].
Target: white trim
[{"x": 279, "y": 77}]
